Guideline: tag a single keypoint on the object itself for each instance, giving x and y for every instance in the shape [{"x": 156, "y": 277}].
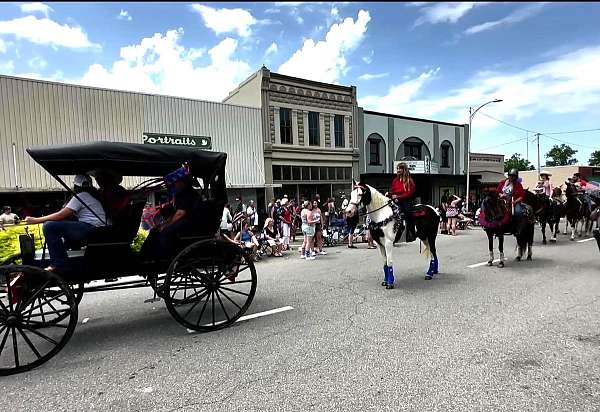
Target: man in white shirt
[
  {"x": 58, "y": 226},
  {"x": 252, "y": 215},
  {"x": 8, "y": 218}
]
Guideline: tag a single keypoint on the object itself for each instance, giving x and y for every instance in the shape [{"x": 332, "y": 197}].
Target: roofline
[
  {"x": 313, "y": 82},
  {"x": 397, "y": 116},
  {"x": 29, "y": 79},
  {"x": 555, "y": 167}
]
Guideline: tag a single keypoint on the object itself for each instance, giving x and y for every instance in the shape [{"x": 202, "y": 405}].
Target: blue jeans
[{"x": 55, "y": 232}]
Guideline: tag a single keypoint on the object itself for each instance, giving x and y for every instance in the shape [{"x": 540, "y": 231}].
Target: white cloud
[
  {"x": 291, "y": 3},
  {"x": 369, "y": 76},
  {"x": 160, "y": 64},
  {"x": 36, "y": 7},
  {"x": 194, "y": 54},
  {"x": 7, "y": 67},
  {"x": 445, "y": 12},
  {"x": 272, "y": 11},
  {"x": 272, "y": 49},
  {"x": 368, "y": 59},
  {"x": 552, "y": 87},
  {"x": 47, "y": 32},
  {"x": 2, "y": 46},
  {"x": 325, "y": 60},
  {"x": 124, "y": 15},
  {"x": 299, "y": 19},
  {"x": 515, "y": 17},
  {"x": 226, "y": 20},
  {"x": 37, "y": 63}
]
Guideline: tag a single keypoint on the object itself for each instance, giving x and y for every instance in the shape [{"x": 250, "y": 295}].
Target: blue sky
[{"x": 430, "y": 60}]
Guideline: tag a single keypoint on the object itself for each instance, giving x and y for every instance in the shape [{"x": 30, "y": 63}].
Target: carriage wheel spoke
[
  {"x": 31, "y": 346},
  {"x": 194, "y": 305},
  {"x": 54, "y": 312},
  {"x": 9, "y": 294},
  {"x": 202, "y": 311},
  {"x": 235, "y": 291},
  {"x": 213, "y": 308},
  {"x": 229, "y": 299},
  {"x": 41, "y": 335},
  {"x": 42, "y": 310},
  {"x": 236, "y": 282},
  {"x": 3, "y": 306},
  {"x": 189, "y": 298},
  {"x": 45, "y": 324},
  {"x": 34, "y": 296},
  {"x": 42, "y": 304},
  {"x": 222, "y": 306},
  {"x": 15, "y": 347},
  {"x": 4, "y": 339}
]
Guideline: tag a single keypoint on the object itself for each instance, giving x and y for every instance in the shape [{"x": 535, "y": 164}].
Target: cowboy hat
[{"x": 544, "y": 172}]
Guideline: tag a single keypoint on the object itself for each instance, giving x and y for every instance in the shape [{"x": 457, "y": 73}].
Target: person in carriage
[
  {"x": 402, "y": 193},
  {"x": 73, "y": 223}
]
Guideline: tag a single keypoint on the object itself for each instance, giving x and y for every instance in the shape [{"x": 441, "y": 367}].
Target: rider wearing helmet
[
  {"x": 511, "y": 189},
  {"x": 402, "y": 192}
]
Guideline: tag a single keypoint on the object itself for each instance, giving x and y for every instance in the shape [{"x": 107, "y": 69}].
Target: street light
[{"x": 471, "y": 115}]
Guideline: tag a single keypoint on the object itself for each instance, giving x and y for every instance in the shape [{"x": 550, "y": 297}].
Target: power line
[
  {"x": 508, "y": 124},
  {"x": 569, "y": 143},
  {"x": 504, "y": 144},
  {"x": 573, "y": 131}
]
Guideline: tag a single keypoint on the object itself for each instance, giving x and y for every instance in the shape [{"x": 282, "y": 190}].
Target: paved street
[{"x": 526, "y": 337}]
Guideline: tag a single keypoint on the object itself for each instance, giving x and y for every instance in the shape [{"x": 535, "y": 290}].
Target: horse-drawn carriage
[{"x": 207, "y": 284}]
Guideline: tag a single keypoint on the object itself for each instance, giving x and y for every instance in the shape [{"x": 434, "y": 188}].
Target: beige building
[
  {"x": 309, "y": 133},
  {"x": 560, "y": 174},
  {"x": 490, "y": 167}
]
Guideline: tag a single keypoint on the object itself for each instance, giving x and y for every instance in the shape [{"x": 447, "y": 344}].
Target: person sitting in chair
[{"x": 86, "y": 210}]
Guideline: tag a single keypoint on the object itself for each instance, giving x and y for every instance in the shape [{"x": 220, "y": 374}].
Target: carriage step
[{"x": 152, "y": 300}]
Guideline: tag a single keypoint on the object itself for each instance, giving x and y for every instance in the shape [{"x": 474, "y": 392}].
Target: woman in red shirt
[
  {"x": 512, "y": 191},
  {"x": 402, "y": 192}
]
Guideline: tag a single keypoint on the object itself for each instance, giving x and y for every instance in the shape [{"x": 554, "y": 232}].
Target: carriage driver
[
  {"x": 511, "y": 189},
  {"x": 58, "y": 226},
  {"x": 402, "y": 192}
]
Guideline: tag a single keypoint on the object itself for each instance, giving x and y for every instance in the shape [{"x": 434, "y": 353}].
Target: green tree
[
  {"x": 595, "y": 158},
  {"x": 517, "y": 162},
  {"x": 561, "y": 156}
]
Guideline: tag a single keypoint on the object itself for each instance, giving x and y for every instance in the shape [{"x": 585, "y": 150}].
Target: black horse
[
  {"x": 575, "y": 209},
  {"x": 553, "y": 210},
  {"x": 524, "y": 224}
]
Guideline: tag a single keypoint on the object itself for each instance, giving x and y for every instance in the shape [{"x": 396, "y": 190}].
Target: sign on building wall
[
  {"x": 201, "y": 142},
  {"x": 420, "y": 166}
]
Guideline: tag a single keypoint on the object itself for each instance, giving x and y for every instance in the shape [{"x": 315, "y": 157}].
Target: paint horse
[{"x": 386, "y": 227}]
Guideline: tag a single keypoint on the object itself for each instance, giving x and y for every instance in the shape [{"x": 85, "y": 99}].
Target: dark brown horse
[
  {"x": 553, "y": 210},
  {"x": 495, "y": 220},
  {"x": 575, "y": 210}
]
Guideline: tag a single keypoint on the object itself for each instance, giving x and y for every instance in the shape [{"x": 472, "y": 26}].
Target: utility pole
[
  {"x": 527, "y": 140},
  {"x": 538, "y": 152}
]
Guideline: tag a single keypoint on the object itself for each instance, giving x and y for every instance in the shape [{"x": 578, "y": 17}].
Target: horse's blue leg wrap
[
  {"x": 433, "y": 268},
  {"x": 390, "y": 279},
  {"x": 386, "y": 271}
]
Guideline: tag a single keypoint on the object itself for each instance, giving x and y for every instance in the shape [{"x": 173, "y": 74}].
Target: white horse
[{"x": 386, "y": 229}]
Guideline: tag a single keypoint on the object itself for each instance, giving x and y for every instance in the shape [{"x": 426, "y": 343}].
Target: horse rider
[
  {"x": 582, "y": 185},
  {"x": 511, "y": 189},
  {"x": 544, "y": 185},
  {"x": 402, "y": 193}
]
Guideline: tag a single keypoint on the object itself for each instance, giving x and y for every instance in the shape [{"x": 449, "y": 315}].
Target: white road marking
[
  {"x": 476, "y": 265},
  {"x": 255, "y": 315},
  {"x": 585, "y": 240}
]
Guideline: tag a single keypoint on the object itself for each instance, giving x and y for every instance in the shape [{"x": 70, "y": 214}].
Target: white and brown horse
[{"x": 386, "y": 228}]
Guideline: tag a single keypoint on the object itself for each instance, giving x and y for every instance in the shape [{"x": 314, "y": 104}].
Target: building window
[
  {"x": 314, "y": 173},
  {"x": 305, "y": 173},
  {"x": 445, "y": 155},
  {"x": 412, "y": 150},
  {"x": 286, "y": 172},
  {"x": 276, "y": 172},
  {"x": 374, "y": 155},
  {"x": 296, "y": 173},
  {"x": 285, "y": 125},
  {"x": 332, "y": 173},
  {"x": 313, "y": 129},
  {"x": 323, "y": 171},
  {"x": 338, "y": 123}
]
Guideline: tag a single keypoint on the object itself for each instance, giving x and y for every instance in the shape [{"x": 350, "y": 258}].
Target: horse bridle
[{"x": 372, "y": 211}]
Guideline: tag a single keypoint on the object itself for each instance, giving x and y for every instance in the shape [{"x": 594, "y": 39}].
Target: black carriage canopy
[{"x": 132, "y": 159}]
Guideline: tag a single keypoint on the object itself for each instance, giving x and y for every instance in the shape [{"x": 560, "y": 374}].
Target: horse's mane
[{"x": 378, "y": 200}]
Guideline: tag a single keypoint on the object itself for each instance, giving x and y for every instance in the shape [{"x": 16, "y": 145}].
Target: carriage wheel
[
  {"x": 210, "y": 285},
  {"x": 38, "y": 314}
]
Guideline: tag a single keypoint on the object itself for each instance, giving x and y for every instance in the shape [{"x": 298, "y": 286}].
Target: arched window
[
  {"x": 412, "y": 148},
  {"x": 374, "y": 147},
  {"x": 446, "y": 151}
]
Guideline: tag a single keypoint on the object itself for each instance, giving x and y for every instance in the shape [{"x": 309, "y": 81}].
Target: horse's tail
[{"x": 427, "y": 250}]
